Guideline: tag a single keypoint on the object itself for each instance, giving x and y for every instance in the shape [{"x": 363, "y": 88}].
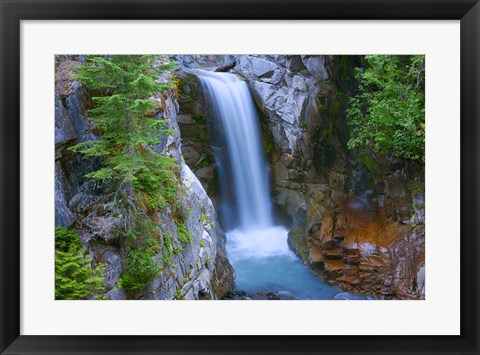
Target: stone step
[
  {"x": 334, "y": 265},
  {"x": 351, "y": 259},
  {"x": 353, "y": 280},
  {"x": 336, "y": 254},
  {"x": 350, "y": 272},
  {"x": 330, "y": 239},
  {"x": 332, "y": 244},
  {"x": 349, "y": 251},
  {"x": 315, "y": 257},
  {"x": 333, "y": 268},
  {"x": 339, "y": 234},
  {"x": 328, "y": 244},
  {"x": 366, "y": 269}
]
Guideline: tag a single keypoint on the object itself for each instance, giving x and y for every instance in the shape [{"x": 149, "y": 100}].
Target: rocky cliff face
[
  {"x": 358, "y": 227},
  {"x": 197, "y": 270}
]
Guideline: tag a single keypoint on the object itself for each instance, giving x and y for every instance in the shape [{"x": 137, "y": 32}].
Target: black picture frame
[{"x": 13, "y": 11}]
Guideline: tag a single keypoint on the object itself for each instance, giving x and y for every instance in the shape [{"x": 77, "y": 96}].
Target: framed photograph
[{"x": 239, "y": 177}]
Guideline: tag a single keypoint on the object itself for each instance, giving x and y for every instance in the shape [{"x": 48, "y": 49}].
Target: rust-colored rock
[
  {"x": 363, "y": 247},
  {"x": 334, "y": 254}
]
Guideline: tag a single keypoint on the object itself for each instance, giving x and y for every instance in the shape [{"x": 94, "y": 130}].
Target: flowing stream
[{"x": 256, "y": 248}]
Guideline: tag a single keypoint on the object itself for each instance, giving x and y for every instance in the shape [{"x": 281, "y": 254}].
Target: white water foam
[{"x": 258, "y": 244}]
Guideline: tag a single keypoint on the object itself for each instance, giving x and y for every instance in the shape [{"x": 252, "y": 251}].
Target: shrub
[
  {"x": 74, "y": 276},
  {"x": 387, "y": 116},
  {"x": 141, "y": 245},
  {"x": 184, "y": 235},
  {"x": 139, "y": 269}
]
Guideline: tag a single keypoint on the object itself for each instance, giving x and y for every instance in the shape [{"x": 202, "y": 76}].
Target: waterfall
[
  {"x": 257, "y": 249},
  {"x": 234, "y": 111}
]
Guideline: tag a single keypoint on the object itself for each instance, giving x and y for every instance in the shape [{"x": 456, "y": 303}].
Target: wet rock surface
[
  {"x": 357, "y": 247},
  {"x": 194, "y": 126},
  {"x": 239, "y": 295}
]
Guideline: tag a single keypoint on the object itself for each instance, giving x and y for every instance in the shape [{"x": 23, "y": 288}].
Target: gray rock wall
[{"x": 199, "y": 271}]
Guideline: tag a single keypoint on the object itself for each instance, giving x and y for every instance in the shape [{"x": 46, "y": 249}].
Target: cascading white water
[
  {"x": 257, "y": 249},
  {"x": 235, "y": 109}
]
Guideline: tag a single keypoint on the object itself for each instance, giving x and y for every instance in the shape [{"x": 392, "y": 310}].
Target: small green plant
[
  {"x": 268, "y": 147},
  {"x": 139, "y": 267},
  {"x": 166, "y": 260},
  {"x": 202, "y": 243},
  {"x": 167, "y": 250},
  {"x": 183, "y": 234},
  {"x": 167, "y": 244},
  {"x": 75, "y": 278},
  {"x": 178, "y": 295},
  {"x": 198, "y": 119},
  {"x": 303, "y": 123},
  {"x": 203, "y": 219},
  {"x": 159, "y": 186}
]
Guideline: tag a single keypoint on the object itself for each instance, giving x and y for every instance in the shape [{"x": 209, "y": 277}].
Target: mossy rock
[
  {"x": 298, "y": 242},
  {"x": 415, "y": 186}
]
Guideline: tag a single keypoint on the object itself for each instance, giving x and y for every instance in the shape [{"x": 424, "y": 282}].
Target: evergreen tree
[{"x": 123, "y": 115}]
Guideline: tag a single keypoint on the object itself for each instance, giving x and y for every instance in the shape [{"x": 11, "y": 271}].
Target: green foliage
[
  {"x": 66, "y": 239},
  {"x": 387, "y": 115},
  {"x": 369, "y": 162},
  {"x": 303, "y": 123},
  {"x": 203, "y": 218},
  {"x": 329, "y": 132},
  {"x": 74, "y": 276},
  {"x": 159, "y": 186},
  {"x": 268, "y": 147},
  {"x": 139, "y": 266},
  {"x": 123, "y": 116},
  {"x": 168, "y": 250},
  {"x": 324, "y": 149},
  {"x": 183, "y": 234},
  {"x": 178, "y": 295},
  {"x": 198, "y": 119},
  {"x": 416, "y": 186},
  {"x": 206, "y": 161},
  {"x": 167, "y": 243}
]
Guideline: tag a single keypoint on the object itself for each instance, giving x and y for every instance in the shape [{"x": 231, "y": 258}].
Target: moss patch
[{"x": 298, "y": 242}]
